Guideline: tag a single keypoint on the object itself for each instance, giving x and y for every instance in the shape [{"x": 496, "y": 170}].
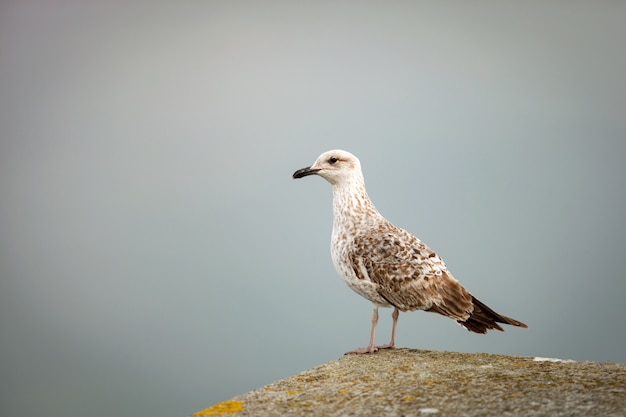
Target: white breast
[{"x": 339, "y": 249}]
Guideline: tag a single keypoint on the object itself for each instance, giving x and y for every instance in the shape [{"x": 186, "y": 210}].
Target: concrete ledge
[{"x": 408, "y": 382}]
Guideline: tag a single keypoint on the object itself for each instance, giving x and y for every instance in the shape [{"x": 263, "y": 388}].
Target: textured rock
[{"x": 408, "y": 382}]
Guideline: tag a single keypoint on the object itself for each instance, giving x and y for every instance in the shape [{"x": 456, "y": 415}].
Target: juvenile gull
[{"x": 386, "y": 264}]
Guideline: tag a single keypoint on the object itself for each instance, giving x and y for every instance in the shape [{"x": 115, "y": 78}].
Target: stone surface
[{"x": 408, "y": 382}]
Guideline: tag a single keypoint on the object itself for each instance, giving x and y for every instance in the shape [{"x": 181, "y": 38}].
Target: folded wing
[{"x": 409, "y": 274}]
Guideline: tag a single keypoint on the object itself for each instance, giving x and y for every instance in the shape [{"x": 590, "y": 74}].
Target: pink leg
[
  {"x": 392, "y": 344},
  {"x": 372, "y": 347}
]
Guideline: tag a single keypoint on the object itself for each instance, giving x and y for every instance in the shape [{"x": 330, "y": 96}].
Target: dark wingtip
[{"x": 484, "y": 318}]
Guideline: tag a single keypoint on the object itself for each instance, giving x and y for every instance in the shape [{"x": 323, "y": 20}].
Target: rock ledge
[{"x": 408, "y": 382}]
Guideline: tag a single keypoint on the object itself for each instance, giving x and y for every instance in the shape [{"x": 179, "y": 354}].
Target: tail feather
[{"x": 483, "y": 318}]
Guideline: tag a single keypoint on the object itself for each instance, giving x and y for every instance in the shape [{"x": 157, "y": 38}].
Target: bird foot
[
  {"x": 359, "y": 351},
  {"x": 387, "y": 346},
  {"x": 369, "y": 349}
]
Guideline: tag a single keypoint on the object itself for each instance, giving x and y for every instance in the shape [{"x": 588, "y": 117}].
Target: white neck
[{"x": 352, "y": 208}]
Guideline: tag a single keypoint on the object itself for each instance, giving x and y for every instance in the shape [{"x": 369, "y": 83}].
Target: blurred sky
[{"x": 155, "y": 255}]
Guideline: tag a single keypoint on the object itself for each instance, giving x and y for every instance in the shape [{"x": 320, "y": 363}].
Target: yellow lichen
[
  {"x": 227, "y": 407},
  {"x": 294, "y": 392}
]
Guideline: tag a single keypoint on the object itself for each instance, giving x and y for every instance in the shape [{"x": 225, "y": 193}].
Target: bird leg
[
  {"x": 392, "y": 344},
  {"x": 372, "y": 346}
]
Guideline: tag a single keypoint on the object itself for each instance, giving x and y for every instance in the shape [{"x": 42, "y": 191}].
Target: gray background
[{"x": 155, "y": 255}]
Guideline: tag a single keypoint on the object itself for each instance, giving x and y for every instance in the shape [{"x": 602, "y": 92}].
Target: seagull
[{"x": 388, "y": 265}]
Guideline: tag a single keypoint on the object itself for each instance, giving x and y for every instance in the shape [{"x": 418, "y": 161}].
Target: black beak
[{"x": 304, "y": 172}]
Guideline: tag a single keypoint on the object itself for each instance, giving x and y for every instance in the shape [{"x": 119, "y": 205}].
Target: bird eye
[{"x": 332, "y": 160}]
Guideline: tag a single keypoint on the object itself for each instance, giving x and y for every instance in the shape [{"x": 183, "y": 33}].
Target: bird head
[{"x": 334, "y": 166}]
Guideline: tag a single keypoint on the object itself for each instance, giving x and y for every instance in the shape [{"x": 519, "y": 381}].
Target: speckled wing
[{"x": 408, "y": 274}]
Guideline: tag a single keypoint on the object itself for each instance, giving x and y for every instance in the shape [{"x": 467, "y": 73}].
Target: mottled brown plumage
[{"x": 388, "y": 265}]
